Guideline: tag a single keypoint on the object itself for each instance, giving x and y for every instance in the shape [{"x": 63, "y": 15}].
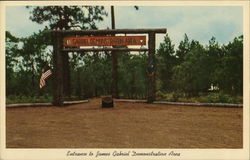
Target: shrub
[
  {"x": 28, "y": 99},
  {"x": 202, "y": 98},
  {"x": 220, "y": 98}
]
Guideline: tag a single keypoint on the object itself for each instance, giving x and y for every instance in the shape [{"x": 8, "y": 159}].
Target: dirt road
[{"x": 127, "y": 125}]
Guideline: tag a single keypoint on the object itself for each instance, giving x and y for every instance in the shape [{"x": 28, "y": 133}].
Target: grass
[
  {"x": 171, "y": 97},
  {"x": 202, "y": 98},
  {"x": 27, "y": 99},
  {"x": 12, "y": 99}
]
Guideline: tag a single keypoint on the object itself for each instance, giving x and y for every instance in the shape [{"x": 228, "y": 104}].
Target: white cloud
[
  {"x": 199, "y": 23},
  {"x": 18, "y": 22}
]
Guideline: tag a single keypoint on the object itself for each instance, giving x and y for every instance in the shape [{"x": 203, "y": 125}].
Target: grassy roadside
[
  {"x": 12, "y": 99},
  {"x": 202, "y": 98},
  {"x": 170, "y": 97}
]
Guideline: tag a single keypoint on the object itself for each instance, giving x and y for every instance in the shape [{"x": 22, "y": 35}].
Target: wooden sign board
[{"x": 104, "y": 41}]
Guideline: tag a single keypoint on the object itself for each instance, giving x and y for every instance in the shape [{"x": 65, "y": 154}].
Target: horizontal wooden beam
[
  {"x": 74, "y": 41},
  {"x": 103, "y": 49},
  {"x": 112, "y": 31}
]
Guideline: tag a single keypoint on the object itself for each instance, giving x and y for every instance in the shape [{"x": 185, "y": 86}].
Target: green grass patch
[
  {"x": 202, "y": 98},
  {"x": 12, "y": 99}
]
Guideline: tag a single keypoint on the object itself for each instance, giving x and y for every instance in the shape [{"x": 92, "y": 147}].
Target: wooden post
[
  {"x": 114, "y": 86},
  {"x": 151, "y": 68},
  {"x": 58, "y": 69},
  {"x": 112, "y": 17}
]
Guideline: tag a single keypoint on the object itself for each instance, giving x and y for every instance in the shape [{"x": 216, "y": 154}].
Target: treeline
[
  {"x": 90, "y": 72},
  {"x": 194, "y": 70},
  {"x": 190, "y": 70}
]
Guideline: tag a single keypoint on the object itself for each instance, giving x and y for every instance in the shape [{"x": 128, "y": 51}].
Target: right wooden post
[{"x": 151, "y": 68}]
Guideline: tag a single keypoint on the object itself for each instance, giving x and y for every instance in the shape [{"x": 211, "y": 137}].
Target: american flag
[{"x": 44, "y": 77}]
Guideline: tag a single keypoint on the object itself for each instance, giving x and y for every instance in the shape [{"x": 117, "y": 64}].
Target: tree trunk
[
  {"x": 66, "y": 74},
  {"x": 33, "y": 76},
  {"x": 79, "y": 88}
]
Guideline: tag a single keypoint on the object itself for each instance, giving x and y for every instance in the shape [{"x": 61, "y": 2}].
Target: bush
[
  {"x": 159, "y": 95},
  {"x": 171, "y": 97},
  {"x": 221, "y": 98},
  {"x": 27, "y": 99},
  {"x": 202, "y": 98}
]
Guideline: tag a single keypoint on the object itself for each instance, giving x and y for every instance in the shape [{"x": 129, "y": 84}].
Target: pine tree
[
  {"x": 166, "y": 61},
  {"x": 67, "y": 17}
]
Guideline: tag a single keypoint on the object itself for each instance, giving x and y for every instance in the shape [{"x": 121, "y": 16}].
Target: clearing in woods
[{"x": 127, "y": 125}]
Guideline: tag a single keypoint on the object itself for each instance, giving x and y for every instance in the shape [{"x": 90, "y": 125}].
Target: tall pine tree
[
  {"x": 166, "y": 62},
  {"x": 67, "y": 17}
]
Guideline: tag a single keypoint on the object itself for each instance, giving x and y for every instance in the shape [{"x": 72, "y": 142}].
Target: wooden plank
[
  {"x": 104, "y": 41},
  {"x": 112, "y": 31},
  {"x": 27, "y": 105},
  {"x": 75, "y": 102},
  {"x": 103, "y": 49},
  {"x": 131, "y": 100}
]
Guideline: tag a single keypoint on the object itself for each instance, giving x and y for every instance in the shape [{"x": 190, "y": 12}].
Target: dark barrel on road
[{"x": 107, "y": 101}]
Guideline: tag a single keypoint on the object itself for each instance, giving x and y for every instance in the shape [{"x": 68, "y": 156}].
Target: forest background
[{"x": 187, "y": 72}]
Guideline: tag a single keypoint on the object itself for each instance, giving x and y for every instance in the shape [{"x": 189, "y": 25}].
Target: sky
[{"x": 200, "y": 23}]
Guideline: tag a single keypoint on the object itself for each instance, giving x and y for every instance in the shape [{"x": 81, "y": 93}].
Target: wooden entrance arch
[{"x": 59, "y": 49}]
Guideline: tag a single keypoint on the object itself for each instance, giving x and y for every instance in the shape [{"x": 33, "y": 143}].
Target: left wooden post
[{"x": 58, "y": 69}]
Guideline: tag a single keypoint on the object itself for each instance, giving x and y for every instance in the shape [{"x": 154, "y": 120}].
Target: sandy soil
[{"x": 127, "y": 125}]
